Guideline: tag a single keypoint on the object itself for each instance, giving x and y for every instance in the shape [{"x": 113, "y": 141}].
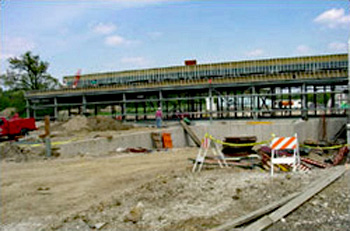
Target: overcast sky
[{"x": 112, "y": 35}]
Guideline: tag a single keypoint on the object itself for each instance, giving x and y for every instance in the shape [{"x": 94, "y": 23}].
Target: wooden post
[{"x": 47, "y": 136}]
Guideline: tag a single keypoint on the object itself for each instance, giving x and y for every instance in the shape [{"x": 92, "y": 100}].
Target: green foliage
[
  {"x": 25, "y": 73},
  {"x": 4, "y": 100},
  {"x": 28, "y": 72},
  {"x": 13, "y": 99}
]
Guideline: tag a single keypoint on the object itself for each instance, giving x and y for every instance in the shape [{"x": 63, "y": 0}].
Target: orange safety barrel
[{"x": 167, "y": 142}]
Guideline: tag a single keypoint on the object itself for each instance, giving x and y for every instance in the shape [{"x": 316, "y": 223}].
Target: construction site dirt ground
[{"x": 156, "y": 191}]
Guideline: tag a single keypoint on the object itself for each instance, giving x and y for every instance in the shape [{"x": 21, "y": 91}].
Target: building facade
[{"x": 294, "y": 87}]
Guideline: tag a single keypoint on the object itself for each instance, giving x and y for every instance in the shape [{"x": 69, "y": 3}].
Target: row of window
[{"x": 193, "y": 75}]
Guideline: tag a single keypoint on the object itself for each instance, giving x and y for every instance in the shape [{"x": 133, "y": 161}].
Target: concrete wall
[
  {"x": 311, "y": 129},
  {"x": 133, "y": 140}
]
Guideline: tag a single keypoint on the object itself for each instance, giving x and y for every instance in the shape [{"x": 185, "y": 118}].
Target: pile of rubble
[{"x": 312, "y": 155}]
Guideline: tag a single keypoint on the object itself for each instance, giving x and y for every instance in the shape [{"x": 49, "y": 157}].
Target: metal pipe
[{"x": 348, "y": 104}]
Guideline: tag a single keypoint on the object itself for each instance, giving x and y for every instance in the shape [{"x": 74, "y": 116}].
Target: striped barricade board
[{"x": 282, "y": 143}]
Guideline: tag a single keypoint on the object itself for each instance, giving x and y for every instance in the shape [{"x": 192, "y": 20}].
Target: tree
[
  {"x": 28, "y": 72},
  {"x": 13, "y": 99}
]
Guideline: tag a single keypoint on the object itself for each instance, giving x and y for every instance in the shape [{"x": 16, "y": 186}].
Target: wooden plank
[
  {"x": 255, "y": 214},
  {"x": 268, "y": 220},
  {"x": 193, "y": 136}
]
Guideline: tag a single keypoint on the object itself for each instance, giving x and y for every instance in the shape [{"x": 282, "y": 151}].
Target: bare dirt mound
[
  {"x": 77, "y": 123},
  {"x": 101, "y": 123},
  {"x": 98, "y": 123}
]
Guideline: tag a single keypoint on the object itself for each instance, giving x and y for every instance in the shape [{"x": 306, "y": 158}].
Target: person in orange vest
[{"x": 159, "y": 116}]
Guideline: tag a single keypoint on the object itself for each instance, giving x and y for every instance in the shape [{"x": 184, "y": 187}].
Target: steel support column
[
  {"x": 210, "y": 104},
  {"x": 96, "y": 110},
  {"x": 304, "y": 112},
  {"x": 124, "y": 107},
  {"x": 136, "y": 111},
  {"x": 84, "y": 105},
  {"x": 254, "y": 104},
  {"x": 28, "y": 108},
  {"x": 55, "y": 108},
  {"x": 34, "y": 112}
]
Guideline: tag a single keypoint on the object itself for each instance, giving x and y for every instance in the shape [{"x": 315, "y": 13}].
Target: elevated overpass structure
[{"x": 306, "y": 86}]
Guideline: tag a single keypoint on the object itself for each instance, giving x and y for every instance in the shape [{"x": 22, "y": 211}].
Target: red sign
[{"x": 190, "y": 62}]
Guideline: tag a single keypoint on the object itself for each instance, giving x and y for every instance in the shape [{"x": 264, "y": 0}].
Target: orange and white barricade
[
  {"x": 207, "y": 145},
  {"x": 282, "y": 143}
]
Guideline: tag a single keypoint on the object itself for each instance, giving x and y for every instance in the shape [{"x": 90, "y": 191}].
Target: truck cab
[{"x": 16, "y": 126}]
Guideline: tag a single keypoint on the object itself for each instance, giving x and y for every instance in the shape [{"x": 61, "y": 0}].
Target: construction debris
[
  {"x": 99, "y": 225},
  {"x": 138, "y": 150},
  {"x": 340, "y": 157},
  {"x": 239, "y": 155},
  {"x": 135, "y": 214},
  {"x": 238, "y": 150}
]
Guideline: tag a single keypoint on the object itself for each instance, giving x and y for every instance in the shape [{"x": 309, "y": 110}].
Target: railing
[{"x": 218, "y": 80}]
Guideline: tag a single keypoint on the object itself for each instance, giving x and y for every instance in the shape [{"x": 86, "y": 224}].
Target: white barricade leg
[
  {"x": 203, "y": 157},
  {"x": 220, "y": 155},
  {"x": 199, "y": 161},
  {"x": 197, "y": 158},
  {"x": 271, "y": 161},
  {"x": 207, "y": 145},
  {"x": 295, "y": 161}
]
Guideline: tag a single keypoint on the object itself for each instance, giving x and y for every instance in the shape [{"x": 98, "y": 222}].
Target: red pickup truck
[{"x": 16, "y": 126}]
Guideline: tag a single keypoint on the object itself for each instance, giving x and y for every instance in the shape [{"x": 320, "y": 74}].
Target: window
[{"x": 1, "y": 122}]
